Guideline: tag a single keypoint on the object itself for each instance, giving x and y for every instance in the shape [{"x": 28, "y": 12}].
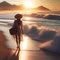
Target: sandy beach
[
  {"x": 8, "y": 48},
  {"x": 4, "y": 51}
]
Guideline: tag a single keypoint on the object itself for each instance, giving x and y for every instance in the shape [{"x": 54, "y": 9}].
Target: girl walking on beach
[{"x": 17, "y": 29}]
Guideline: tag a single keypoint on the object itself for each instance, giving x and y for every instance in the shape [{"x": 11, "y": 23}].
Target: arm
[{"x": 14, "y": 24}]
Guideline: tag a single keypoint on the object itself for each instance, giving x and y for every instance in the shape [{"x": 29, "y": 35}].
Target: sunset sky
[{"x": 51, "y": 4}]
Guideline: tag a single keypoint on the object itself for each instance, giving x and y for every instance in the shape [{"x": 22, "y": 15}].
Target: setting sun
[{"x": 28, "y": 4}]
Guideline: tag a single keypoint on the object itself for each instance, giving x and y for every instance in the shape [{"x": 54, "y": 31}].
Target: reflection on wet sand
[
  {"x": 15, "y": 55},
  {"x": 29, "y": 44}
]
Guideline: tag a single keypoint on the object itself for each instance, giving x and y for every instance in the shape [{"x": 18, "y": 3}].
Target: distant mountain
[
  {"x": 7, "y": 6},
  {"x": 4, "y": 3},
  {"x": 42, "y": 8}
]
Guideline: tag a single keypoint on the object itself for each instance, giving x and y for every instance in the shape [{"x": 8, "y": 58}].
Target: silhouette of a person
[{"x": 17, "y": 25}]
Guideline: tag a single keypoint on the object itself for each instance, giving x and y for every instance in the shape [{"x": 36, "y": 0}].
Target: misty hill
[
  {"x": 7, "y": 6},
  {"x": 4, "y": 3},
  {"x": 42, "y": 8}
]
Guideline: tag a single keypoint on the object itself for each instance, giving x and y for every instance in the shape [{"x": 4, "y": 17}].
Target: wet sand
[
  {"x": 4, "y": 51},
  {"x": 10, "y": 53}
]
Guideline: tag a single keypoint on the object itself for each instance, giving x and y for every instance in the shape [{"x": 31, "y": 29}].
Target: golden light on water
[
  {"x": 22, "y": 55},
  {"x": 24, "y": 43},
  {"x": 26, "y": 46},
  {"x": 29, "y": 44},
  {"x": 27, "y": 18}
]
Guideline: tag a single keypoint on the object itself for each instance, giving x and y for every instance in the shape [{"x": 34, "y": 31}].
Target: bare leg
[{"x": 17, "y": 41}]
